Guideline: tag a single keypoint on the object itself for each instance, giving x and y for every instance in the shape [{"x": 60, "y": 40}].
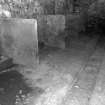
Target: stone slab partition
[
  {"x": 51, "y": 30},
  {"x": 73, "y": 23},
  {"x": 18, "y": 38}
]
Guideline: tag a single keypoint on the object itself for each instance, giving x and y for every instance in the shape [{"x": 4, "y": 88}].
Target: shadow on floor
[{"x": 10, "y": 85}]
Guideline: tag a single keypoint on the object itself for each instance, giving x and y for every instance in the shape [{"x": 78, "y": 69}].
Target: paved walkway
[
  {"x": 82, "y": 89},
  {"x": 74, "y": 76},
  {"x": 67, "y": 77},
  {"x": 98, "y": 96}
]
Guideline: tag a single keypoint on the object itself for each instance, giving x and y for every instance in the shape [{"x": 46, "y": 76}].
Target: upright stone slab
[
  {"x": 51, "y": 29},
  {"x": 42, "y": 27},
  {"x": 19, "y": 40},
  {"x": 73, "y": 25}
]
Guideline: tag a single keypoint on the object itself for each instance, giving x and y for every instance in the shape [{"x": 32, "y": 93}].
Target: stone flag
[{"x": 18, "y": 38}]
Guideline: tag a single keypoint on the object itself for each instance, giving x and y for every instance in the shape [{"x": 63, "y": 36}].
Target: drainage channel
[{"x": 82, "y": 88}]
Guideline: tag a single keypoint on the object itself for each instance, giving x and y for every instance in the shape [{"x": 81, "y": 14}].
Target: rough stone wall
[
  {"x": 53, "y": 6},
  {"x": 60, "y": 7},
  {"x": 19, "y": 40}
]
